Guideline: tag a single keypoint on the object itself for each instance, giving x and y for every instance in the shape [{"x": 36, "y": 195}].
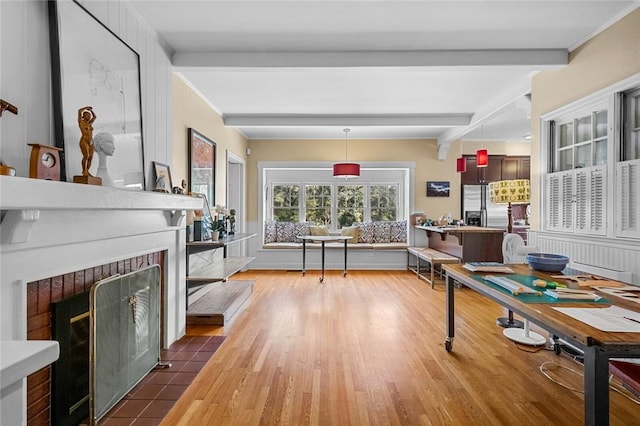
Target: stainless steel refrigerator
[{"x": 476, "y": 204}]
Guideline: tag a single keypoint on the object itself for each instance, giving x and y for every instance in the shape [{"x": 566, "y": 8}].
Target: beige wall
[
  {"x": 189, "y": 110},
  {"x": 609, "y": 57},
  {"x": 494, "y": 148}
]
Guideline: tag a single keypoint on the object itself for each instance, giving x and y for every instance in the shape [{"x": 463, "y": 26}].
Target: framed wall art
[
  {"x": 437, "y": 188},
  {"x": 202, "y": 165},
  {"x": 96, "y": 88},
  {"x": 163, "y": 182}
]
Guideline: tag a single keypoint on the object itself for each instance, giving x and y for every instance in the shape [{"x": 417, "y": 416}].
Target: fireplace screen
[{"x": 125, "y": 335}]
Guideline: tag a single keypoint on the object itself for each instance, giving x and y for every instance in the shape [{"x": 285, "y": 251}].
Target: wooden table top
[
  {"x": 324, "y": 237},
  {"x": 445, "y": 229},
  {"x": 551, "y": 319}
]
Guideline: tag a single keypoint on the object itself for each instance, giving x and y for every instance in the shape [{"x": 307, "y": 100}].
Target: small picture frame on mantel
[{"x": 163, "y": 181}]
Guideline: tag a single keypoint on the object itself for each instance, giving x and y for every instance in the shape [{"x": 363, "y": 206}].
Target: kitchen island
[{"x": 468, "y": 243}]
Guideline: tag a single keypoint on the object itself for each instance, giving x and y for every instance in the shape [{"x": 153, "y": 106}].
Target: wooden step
[{"x": 219, "y": 303}]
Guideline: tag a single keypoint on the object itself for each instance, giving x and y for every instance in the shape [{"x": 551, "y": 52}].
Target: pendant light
[
  {"x": 346, "y": 170},
  {"x": 461, "y": 162},
  {"x": 482, "y": 155},
  {"x": 482, "y": 158}
]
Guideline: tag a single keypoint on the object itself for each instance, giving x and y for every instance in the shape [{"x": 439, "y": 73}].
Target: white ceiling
[{"x": 390, "y": 69}]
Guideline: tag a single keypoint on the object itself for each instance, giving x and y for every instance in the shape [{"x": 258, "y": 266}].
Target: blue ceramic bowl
[{"x": 547, "y": 262}]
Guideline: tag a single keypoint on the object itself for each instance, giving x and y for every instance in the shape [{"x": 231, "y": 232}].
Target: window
[
  {"x": 631, "y": 138},
  {"x": 594, "y": 164},
  {"x": 580, "y": 142},
  {"x": 350, "y": 204},
  {"x": 577, "y": 184},
  {"x": 286, "y": 203},
  {"x": 318, "y": 204},
  {"x": 628, "y": 170},
  {"x": 309, "y": 193},
  {"x": 383, "y": 202}
]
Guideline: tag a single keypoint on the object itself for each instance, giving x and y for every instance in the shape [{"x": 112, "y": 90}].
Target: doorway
[{"x": 236, "y": 197}]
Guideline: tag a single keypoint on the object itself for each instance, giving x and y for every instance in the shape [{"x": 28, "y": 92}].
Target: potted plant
[{"x": 215, "y": 231}]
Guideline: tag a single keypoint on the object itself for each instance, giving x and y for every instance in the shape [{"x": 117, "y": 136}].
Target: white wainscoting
[{"x": 616, "y": 259}]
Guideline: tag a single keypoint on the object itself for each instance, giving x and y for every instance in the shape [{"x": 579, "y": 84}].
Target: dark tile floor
[{"x": 148, "y": 402}]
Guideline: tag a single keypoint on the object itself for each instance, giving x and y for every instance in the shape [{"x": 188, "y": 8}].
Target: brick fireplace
[
  {"x": 40, "y": 295},
  {"x": 58, "y": 238}
]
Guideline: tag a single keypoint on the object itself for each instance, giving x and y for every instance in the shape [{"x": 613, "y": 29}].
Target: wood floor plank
[{"x": 368, "y": 349}]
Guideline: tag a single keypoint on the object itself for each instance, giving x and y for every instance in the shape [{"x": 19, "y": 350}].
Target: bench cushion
[{"x": 335, "y": 244}]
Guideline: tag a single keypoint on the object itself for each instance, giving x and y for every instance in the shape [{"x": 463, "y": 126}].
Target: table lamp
[{"x": 515, "y": 191}]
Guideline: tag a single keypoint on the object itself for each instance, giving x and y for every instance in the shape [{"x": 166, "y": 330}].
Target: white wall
[{"x": 25, "y": 79}]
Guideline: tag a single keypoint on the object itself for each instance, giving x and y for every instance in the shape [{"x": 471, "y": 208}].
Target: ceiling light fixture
[
  {"x": 461, "y": 162},
  {"x": 482, "y": 155},
  {"x": 346, "y": 170},
  {"x": 482, "y": 158}
]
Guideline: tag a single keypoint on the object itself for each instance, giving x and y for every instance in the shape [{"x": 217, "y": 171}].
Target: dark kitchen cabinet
[
  {"x": 500, "y": 167},
  {"x": 515, "y": 168}
]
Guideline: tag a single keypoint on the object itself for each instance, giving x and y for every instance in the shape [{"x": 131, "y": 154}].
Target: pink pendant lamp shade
[
  {"x": 461, "y": 165},
  {"x": 482, "y": 158},
  {"x": 346, "y": 170}
]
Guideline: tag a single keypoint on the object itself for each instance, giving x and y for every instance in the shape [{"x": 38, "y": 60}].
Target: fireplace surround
[{"x": 50, "y": 229}]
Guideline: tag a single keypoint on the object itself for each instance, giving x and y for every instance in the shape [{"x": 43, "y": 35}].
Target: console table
[{"x": 468, "y": 243}]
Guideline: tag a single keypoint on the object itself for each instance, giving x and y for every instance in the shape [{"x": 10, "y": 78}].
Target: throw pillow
[
  {"x": 381, "y": 232},
  {"x": 365, "y": 232},
  {"x": 351, "y": 231},
  {"x": 285, "y": 232},
  {"x": 399, "y": 231},
  {"x": 270, "y": 235},
  {"x": 319, "y": 231},
  {"x": 302, "y": 228}
]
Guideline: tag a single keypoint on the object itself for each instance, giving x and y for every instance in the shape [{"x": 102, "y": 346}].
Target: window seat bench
[{"x": 339, "y": 245}]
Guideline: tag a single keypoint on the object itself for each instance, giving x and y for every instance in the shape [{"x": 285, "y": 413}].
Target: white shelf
[
  {"x": 19, "y": 358},
  {"x": 221, "y": 270}
]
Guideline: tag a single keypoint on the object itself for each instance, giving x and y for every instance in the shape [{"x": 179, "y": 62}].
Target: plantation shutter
[
  {"x": 582, "y": 201},
  {"x": 559, "y": 207},
  {"x": 591, "y": 201},
  {"x": 628, "y": 199},
  {"x": 567, "y": 183}
]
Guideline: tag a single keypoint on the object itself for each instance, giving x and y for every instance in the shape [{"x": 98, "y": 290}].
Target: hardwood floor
[{"x": 368, "y": 349}]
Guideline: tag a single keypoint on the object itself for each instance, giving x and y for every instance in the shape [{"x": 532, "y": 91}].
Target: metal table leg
[
  {"x": 344, "y": 273},
  {"x": 596, "y": 386},
  {"x": 448, "y": 343},
  {"x": 322, "y": 261},
  {"x": 304, "y": 256}
]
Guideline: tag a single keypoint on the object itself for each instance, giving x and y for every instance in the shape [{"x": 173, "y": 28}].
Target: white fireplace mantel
[
  {"x": 52, "y": 228},
  {"x": 22, "y": 199}
]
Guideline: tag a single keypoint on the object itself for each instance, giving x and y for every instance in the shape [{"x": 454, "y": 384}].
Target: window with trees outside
[
  {"x": 318, "y": 197},
  {"x": 318, "y": 204},
  {"x": 286, "y": 203}
]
